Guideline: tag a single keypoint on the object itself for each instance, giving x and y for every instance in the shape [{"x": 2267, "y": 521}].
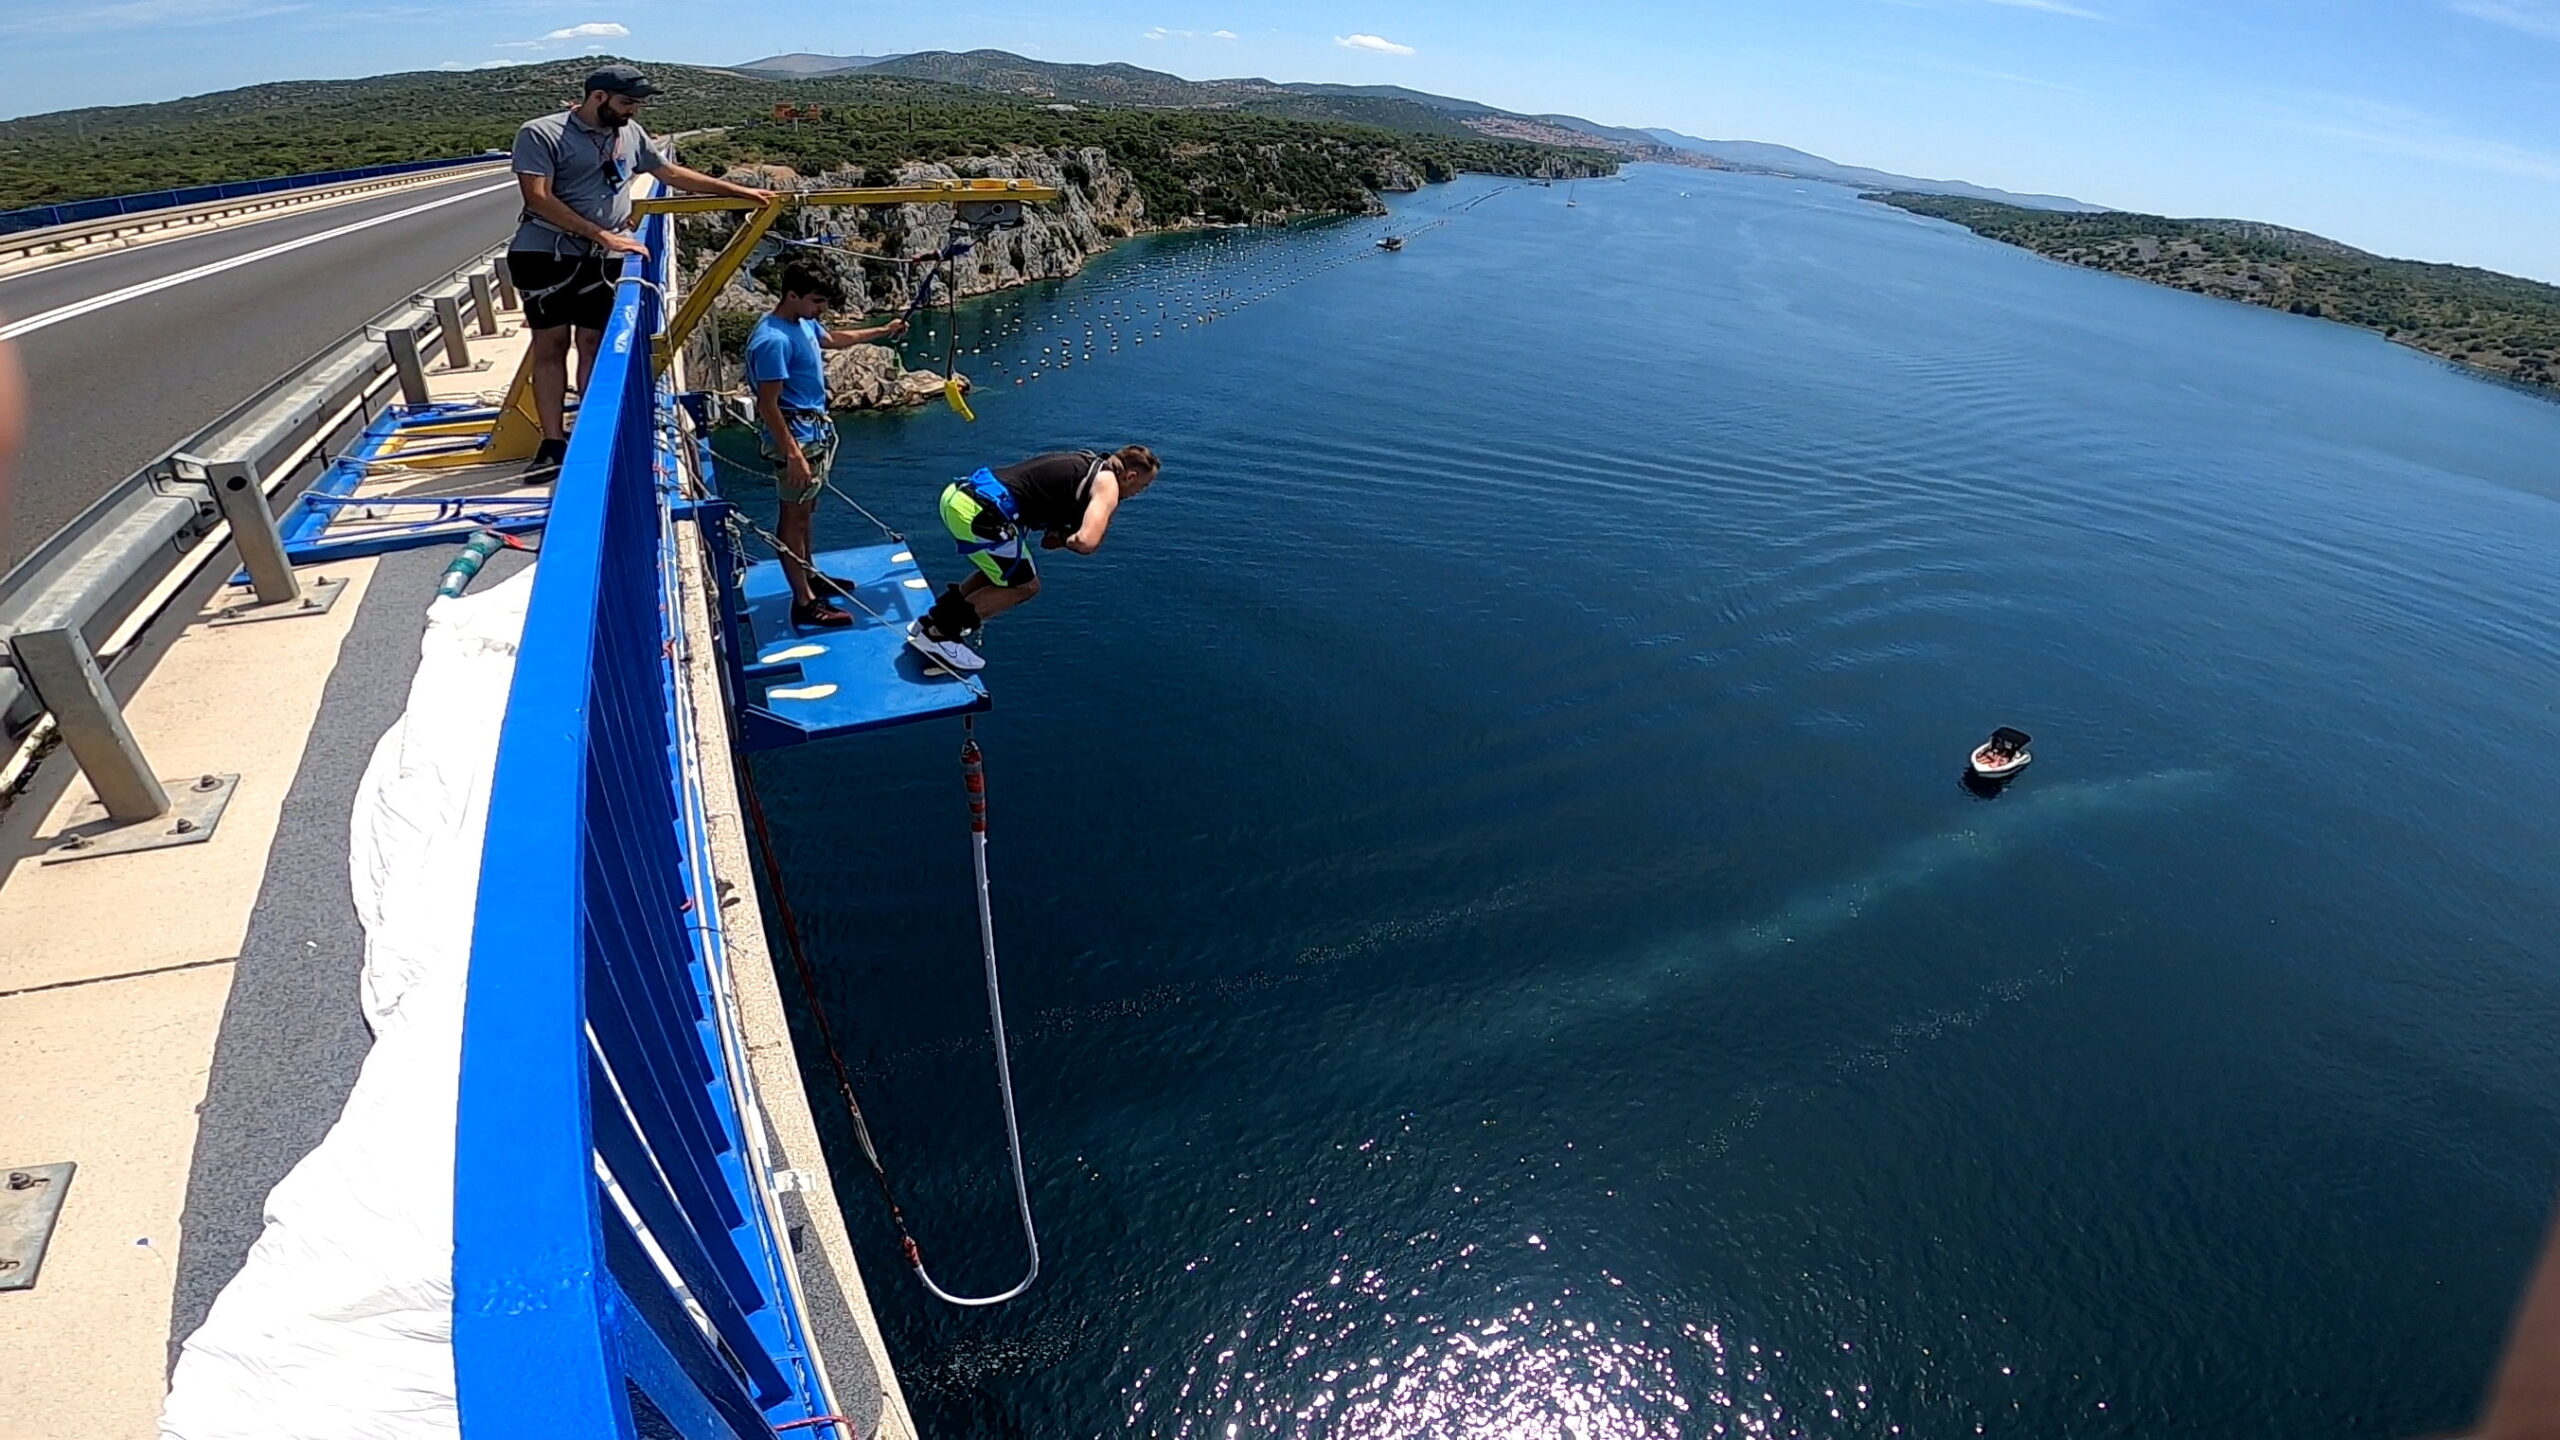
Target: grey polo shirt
[{"x": 590, "y": 171}]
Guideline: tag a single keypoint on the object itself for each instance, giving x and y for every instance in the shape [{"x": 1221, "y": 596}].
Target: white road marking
[
  {"x": 96, "y": 303},
  {"x": 152, "y": 240}
]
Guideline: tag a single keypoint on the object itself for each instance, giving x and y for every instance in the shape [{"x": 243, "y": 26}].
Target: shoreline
[
  {"x": 2548, "y": 394},
  {"x": 917, "y": 397},
  {"x": 2306, "y": 275}
]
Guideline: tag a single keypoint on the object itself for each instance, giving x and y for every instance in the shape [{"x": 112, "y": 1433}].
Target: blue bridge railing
[
  {"x": 619, "y": 1268},
  {"x": 38, "y": 217}
]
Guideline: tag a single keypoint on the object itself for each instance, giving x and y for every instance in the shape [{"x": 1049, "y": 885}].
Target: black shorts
[{"x": 564, "y": 289}]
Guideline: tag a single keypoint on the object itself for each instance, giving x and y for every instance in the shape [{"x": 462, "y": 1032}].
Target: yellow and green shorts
[{"x": 982, "y": 531}]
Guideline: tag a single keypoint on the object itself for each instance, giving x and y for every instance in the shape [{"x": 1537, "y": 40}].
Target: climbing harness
[
  {"x": 998, "y": 526},
  {"x": 974, "y": 779},
  {"x": 594, "y": 281},
  {"x": 992, "y": 494}
]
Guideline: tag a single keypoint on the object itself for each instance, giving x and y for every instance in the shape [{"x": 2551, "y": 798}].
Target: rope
[
  {"x": 780, "y": 547},
  {"x": 973, "y": 773},
  {"x": 799, "y": 952},
  {"x": 738, "y": 520},
  {"x": 973, "y": 770},
  {"x": 951, "y": 314},
  {"x": 844, "y": 1420},
  {"x": 848, "y": 252},
  {"x": 885, "y": 528}
]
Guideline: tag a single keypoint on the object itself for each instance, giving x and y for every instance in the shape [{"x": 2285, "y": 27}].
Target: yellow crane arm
[{"x": 760, "y": 216}]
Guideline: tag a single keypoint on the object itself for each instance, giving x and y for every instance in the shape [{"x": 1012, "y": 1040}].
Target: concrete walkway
[{"x": 183, "y": 1023}]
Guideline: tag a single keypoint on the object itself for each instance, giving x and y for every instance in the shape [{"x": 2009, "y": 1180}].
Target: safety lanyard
[{"x": 608, "y": 154}]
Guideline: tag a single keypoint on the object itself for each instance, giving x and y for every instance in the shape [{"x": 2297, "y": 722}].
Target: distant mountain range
[
  {"x": 1780, "y": 160},
  {"x": 1392, "y": 107},
  {"x": 803, "y": 63}
]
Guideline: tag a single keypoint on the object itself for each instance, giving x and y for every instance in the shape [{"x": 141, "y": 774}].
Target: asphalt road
[{"x": 115, "y": 386}]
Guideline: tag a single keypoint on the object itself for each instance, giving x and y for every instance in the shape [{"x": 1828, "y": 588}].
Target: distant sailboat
[{"x": 1569, "y": 201}]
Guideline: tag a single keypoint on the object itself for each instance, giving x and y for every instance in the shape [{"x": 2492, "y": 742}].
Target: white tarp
[{"x": 340, "y": 1324}]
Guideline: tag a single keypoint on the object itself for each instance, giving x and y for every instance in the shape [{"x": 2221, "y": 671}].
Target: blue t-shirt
[{"x": 787, "y": 350}]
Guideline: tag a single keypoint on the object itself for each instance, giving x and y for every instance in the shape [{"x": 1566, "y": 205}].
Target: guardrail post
[
  {"x": 404, "y": 358},
  {"x": 506, "y": 283},
  {"x": 484, "y": 299},
  {"x": 57, "y": 665},
  {"x": 134, "y": 809},
  {"x": 243, "y": 498},
  {"x": 457, "y": 348}
]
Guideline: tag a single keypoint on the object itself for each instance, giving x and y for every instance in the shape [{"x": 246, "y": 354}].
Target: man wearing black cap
[{"x": 574, "y": 167}]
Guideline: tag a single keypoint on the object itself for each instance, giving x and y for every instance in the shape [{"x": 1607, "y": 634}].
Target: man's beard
[{"x": 613, "y": 119}]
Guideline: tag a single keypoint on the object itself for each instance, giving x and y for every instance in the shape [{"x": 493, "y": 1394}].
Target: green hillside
[
  {"x": 2506, "y": 326},
  {"x": 1212, "y": 165},
  {"x": 1010, "y": 74},
  {"x": 1401, "y": 115},
  {"x": 874, "y": 119},
  {"x": 302, "y": 125}
]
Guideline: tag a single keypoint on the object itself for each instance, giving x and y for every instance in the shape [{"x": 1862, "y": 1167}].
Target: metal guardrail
[
  {"x": 89, "y": 579},
  {"x": 619, "y": 1267},
  {"x": 43, "y": 217}
]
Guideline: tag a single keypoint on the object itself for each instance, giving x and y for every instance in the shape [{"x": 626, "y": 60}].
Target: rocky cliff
[
  {"x": 873, "y": 377},
  {"x": 1100, "y": 205}
]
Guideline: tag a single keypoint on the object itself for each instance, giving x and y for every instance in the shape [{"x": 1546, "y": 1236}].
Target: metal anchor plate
[
  {"x": 30, "y": 1201},
  {"x": 196, "y": 804}
]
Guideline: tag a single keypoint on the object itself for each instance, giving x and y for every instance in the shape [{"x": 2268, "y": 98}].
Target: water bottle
[{"x": 475, "y": 553}]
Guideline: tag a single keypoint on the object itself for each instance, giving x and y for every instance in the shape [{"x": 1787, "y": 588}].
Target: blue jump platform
[{"x": 809, "y": 685}]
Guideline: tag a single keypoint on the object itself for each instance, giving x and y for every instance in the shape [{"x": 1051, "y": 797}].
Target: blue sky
[{"x": 2428, "y": 128}]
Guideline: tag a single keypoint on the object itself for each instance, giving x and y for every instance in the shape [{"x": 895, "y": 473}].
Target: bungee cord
[
  {"x": 973, "y": 775},
  {"x": 1206, "y": 294},
  {"x": 973, "y": 772}
]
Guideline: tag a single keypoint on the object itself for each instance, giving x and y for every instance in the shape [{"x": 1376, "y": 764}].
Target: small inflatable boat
[
  {"x": 1392, "y": 242},
  {"x": 2001, "y": 756}
]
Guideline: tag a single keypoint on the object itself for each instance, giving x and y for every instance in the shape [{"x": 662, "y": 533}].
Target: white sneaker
[{"x": 945, "y": 652}]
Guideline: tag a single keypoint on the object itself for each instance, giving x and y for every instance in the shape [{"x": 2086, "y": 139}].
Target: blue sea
[{"x": 1495, "y": 941}]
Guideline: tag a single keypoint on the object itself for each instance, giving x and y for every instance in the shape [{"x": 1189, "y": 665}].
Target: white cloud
[
  {"x": 1372, "y": 43},
  {"x": 473, "y": 64},
  {"x": 569, "y": 35},
  {"x": 1159, "y": 32},
  {"x": 2533, "y": 17},
  {"x": 1222, "y": 35}
]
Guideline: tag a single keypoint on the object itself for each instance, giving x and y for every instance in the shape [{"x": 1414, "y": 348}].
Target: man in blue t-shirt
[{"x": 789, "y": 381}]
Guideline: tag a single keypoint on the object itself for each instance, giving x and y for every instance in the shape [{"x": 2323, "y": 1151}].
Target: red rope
[
  {"x": 818, "y": 1010},
  {"x": 815, "y": 1420}
]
